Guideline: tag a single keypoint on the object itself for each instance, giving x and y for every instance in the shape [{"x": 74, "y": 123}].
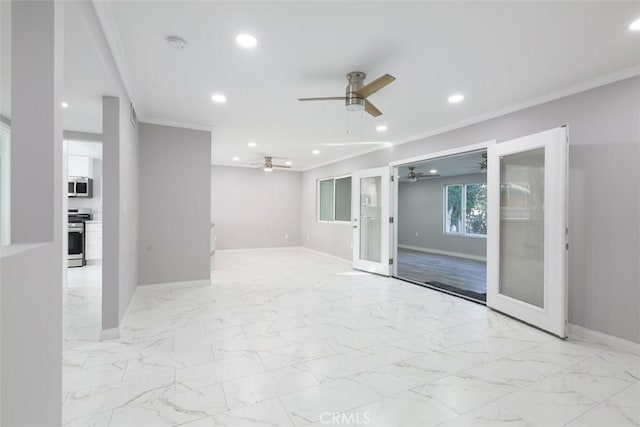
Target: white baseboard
[
  {"x": 109, "y": 334},
  {"x": 315, "y": 251},
  {"x": 440, "y": 252},
  {"x": 219, "y": 251},
  {"x": 186, "y": 283},
  {"x": 602, "y": 338}
]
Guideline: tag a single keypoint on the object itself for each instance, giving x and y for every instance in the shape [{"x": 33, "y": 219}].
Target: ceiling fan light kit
[
  {"x": 414, "y": 176},
  {"x": 267, "y": 164},
  {"x": 356, "y": 93}
]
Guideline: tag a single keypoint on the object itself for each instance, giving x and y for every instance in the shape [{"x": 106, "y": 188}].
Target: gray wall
[
  {"x": 604, "y": 196},
  {"x": 31, "y": 268},
  {"x": 120, "y": 210},
  {"x": 420, "y": 210},
  {"x": 255, "y": 209},
  {"x": 175, "y": 204}
]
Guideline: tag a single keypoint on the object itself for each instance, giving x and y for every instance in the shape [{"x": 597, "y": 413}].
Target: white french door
[
  {"x": 370, "y": 201},
  {"x": 527, "y": 229}
]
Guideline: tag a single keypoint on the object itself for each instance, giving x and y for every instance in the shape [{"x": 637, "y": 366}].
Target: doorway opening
[
  {"x": 441, "y": 223},
  {"x": 83, "y": 290}
]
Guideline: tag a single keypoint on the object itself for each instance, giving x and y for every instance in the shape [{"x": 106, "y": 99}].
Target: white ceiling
[
  {"x": 498, "y": 54},
  {"x": 85, "y": 77},
  {"x": 459, "y": 164}
]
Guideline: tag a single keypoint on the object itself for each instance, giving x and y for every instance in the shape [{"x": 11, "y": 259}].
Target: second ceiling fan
[
  {"x": 414, "y": 176},
  {"x": 356, "y": 94}
]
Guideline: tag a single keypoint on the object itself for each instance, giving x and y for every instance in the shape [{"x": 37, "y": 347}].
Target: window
[
  {"x": 466, "y": 209},
  {"x": 334, "y": 199}
]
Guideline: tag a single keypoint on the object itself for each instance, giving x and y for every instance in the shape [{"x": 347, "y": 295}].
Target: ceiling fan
[
  {"x": 356, "y": 94},
  {"x": 413, "y": 176},
  {"x": 267, "y": 165},
  {"x": 483, "y": 163}
]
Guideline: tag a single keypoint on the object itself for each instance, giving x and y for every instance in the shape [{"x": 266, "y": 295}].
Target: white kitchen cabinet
[
  {"x": 93, "y": 242},
  {"x": 80, "y": 166}
]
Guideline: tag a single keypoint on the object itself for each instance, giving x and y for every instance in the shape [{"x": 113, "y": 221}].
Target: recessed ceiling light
[
  {"x": 252, "y": 144},
  {"x": 235, "y": 158},
  {"x": 388, "y": 144},
  {"x": 433, "y": 171},
  {"x": 381, "y": 128},
  {"x": 635, "y": 25},
  {"x": 246, "y": 40},
  {"x": 218, "y": 98},
  {"x": 64, "y": 104},
  {"x": 315, "y": 152},
  {"x": 455, "y": 98},
  {"x": 288, "y": 163}
]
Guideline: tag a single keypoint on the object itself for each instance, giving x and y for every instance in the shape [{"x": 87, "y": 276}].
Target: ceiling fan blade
[
  {"x": 327, "y": 98},
  {"x": 374, "y": 86},
  {"x": 371, "y": 109},
  {"x": 281, "y": 166},
  {"x": 427, "y": 176}
]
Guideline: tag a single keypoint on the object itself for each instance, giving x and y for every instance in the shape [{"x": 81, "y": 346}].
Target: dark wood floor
[{"x": 456, "y": 273}]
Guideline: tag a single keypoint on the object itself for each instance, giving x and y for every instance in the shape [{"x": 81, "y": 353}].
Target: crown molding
[
  {"x": 551, "y": 96},
  {"x": 105, "y": 18},
  {"x": 184, "y": 125}
]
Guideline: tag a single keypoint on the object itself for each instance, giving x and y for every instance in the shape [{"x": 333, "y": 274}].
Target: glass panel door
[
  {"x": 371, "y": 207},
  {"x": 522, "y": 226},
  {"x": 527, "y": 227},
  {"x": 370, "y": 219}
]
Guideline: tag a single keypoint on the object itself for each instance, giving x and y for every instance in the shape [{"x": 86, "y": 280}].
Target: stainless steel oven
[
  {"x": 76, "y": 231},
  {"x": 76, "y": 244},
  {"x": 80, "y": 186}
]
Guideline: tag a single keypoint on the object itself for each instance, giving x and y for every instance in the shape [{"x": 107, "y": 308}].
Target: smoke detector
[{"x": 176, "y": 43}]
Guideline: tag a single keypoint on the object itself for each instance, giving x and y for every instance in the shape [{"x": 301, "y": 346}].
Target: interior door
[
  {"x": 371, "y": 225},
  {"x": 527, "y": 229}
]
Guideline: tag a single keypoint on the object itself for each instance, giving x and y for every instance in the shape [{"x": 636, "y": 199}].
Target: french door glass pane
[
  {"x": 522, "y": 226},
  {"x": 454, "y": 209},
  {"x": 343, "y": 199},
  {"x": 476, "y": 209},
  {"x": 370, "y": 219},
  {"x": 326, "y": 200}
]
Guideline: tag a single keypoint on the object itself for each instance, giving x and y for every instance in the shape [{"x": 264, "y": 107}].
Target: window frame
[
  {"x": 463, "y": 207},
  {"x": 333, "y": 179}
]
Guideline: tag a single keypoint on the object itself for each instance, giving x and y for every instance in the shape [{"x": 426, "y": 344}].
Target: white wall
[
  {"x": 175, "y": 204},
  {"x": 604, "y": 196},
  {"x": 420, "y": 210},
  {"x": 255, "y": 209},
  {"x": 31, "y": 332}
]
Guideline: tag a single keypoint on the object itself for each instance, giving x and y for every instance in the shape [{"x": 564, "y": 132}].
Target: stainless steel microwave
[{"x": 80, "y": 186}]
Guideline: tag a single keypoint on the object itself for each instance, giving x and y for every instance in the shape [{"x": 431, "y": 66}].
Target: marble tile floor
[{"x": 286, "y": 338}]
